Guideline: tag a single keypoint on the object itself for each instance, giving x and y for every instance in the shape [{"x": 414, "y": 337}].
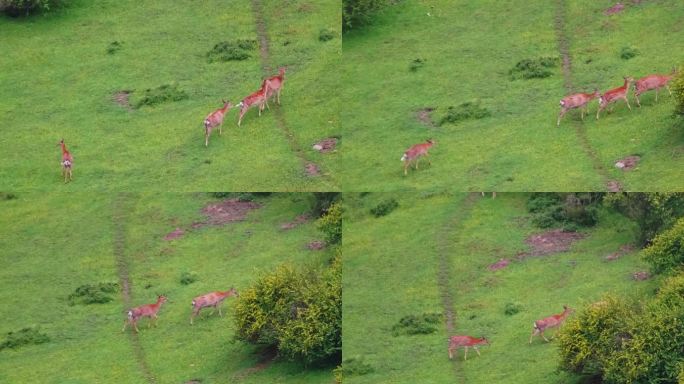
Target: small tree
[
  {"x": 16, "y": 8},
  {"x": 331, "y": 224},
  {"x": 666, "y": 252},
  {"x": 653, "y": 212},
  {"x": 358, "y": 12},
  {"x": 678, "y": 90}
]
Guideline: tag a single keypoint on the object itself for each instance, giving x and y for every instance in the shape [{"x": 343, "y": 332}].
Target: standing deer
[
  {"x": 578, "y": 100},
  {"x": 613, "y": 95},
  {"x": 213, "y": 299},
  {"x": 415, "y": 152},
  {"x": 147, "y": 310},
  {"x": 652, "y": 82},
  {"x": 456, "y": 342},
  {"x": 257, "y": 98},
  {"x": 276, "y": 85},
  {"x": 552, "y": 321},
  {"x": 215, "y": 119},
  {"x": 67, "y": 162}
]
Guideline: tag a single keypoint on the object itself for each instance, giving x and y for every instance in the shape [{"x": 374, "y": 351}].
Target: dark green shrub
[
  {"x": 678, "y": 91},
  {"x": 627, "y": 53},
  {"x": 384, "y": 208},
  {"x": 666, "y": 252},
  {"x": 354, "y": 366},
  {"x": 512, "y": 308},
  {"x": 417, "y": 324},
  {"x": 17, "y": 8},
  {"x": 322, "y": 202},
  {"x": 114, "y": 47},
  {"x": 161, "y": 94},
  {"x": 416, "y": 64},
  {"x": 466, "y": 111},
  {"x": 7, "y": 196},
  {"x": 356, "y": 13},
  {"x": 331, "y": 224},
  {"x": 236, "y": 50},
  {"x": 221, "y": 195},
  {"x": 567, "y": 210},
  {"x": 534, "y": 68},
  {"x": 187, "y": 278},
  {"x": 22, "y": 337},
  {"x": 326, "y": 34},
  {"x": 99, "y": 293},
  {"x": 245, "y": 196},
  {"x": 653, "y": 212}
]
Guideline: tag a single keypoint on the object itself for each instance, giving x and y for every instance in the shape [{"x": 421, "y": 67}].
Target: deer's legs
[
  {"x": 427, "y": 156},
  {"x": 629, "y": 106},
  {"x": 465, "y": 356},
  {"x": 560, "y": 116},
  {"x": 406, "y": 165},
  {"x": 535, "y": 332},
  {"x": 476, "y": 350},
  {"x": 451, "y": 352},
  {"x": 219, "y": 309},
  {"x": 636, "y": 96},
  {"x": 278, "y": 96},
  {"x": 668, "y": 90},
  {"x": 542, "y": 335},
  {"x": 417, "y": 160},
  {"x": 220, "y": 130},
  {"x": 125, "y": 324}
]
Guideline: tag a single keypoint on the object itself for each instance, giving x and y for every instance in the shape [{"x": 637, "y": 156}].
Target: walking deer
[
  {"x": 651, "y": 82},
  {"x": 147, "y": 310},
  {"x": 257, "y": 98},
  {"x": 456, "y": 342},
  {"x": 215, "y": 119},
  {"x": 552, "y": 321},
  {"x": 415, "y": 153},
  {"x": 67, "y": 162},
  {"x": 213, "y": 299},
  {"x": 578, "y": 100},
  {"x": 613, "y": 95},
  {"x": 276, "y": 85}
]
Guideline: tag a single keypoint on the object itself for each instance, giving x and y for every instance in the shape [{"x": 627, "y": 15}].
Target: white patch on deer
[
  {"x": 130, "y": 314},
  {"x": 403, "y": 158},
  {"x": 193, "y": 303},
  {"x": 562, "y": 103}
]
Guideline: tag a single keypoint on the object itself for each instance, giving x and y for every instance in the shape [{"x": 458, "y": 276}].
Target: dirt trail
[
  {"x": 120, "y": 210},
  {"x": 580, "y": 131},
  {"x": 311, "y": 169},
  {"x": 445, "y": 279}
]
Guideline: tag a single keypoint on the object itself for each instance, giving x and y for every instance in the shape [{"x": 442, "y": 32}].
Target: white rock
[
  {"x": 620, "y": 164},
  {"x": 317, "y": 147}
]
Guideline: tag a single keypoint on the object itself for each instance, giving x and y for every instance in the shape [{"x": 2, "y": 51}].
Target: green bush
[
  {"x": 353, "y": 366},
  {"x": 678, "y": 91},
  {"x": 571, "y": 211},
  {"x": 416, "y": 64},
  {"x": 512, "y": 308},
  {"x": 384, "y": 208},
  {"x": 534, "y": 68},
  {"x": 417, "y": 324},
  {"x": 466, "y": 111},
  {"x": 161, "y": 94},
  {"x": 16, "y": 8},
  {"x": 236, "y": 50},
  {"x": 653, "y": 212},
  {"x": 326, "y": 34},
  {"x": 188, "y": 278},
  {"x": 99, "y": 293},
  {"x": 24, "y": 336},
  {"x": 356, "y": 13},
  {"x": 666, "y": 252},
  {"x": 322, "y": 202},
  {"x": 331, "y": 224},
  {"x": 114, "y": 47},
  {"x": 627, "y": 53}
]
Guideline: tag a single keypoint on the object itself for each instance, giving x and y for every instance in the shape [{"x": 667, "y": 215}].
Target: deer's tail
[{"x": 130, "y": 314}]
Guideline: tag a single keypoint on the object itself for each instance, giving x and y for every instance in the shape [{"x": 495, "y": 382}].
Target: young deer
[
  {"x": 578, "y": 100},
  {"x": 147, "y": 310},
  {"x": 257, "y": 98},
  {"x": 67, "y": 162},
  {"x": 415, "y": 152},
  {"x": 213, "y": 299},
  {"x": 614, "y": 95},
  {"x": 215, "y": 119},
  {"x": 276, "y": 85},
  {"x": 552, "y": 321},
  {"x": 456, "y": 342},
  {"x": 650, "y": 82}
]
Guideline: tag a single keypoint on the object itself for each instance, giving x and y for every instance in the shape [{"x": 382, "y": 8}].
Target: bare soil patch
[
  {"x": 316, "y": 245},
  {"x": 299, "y": 220},
  {"x": 227, "y": 211},
  {"x": 617, "y": 8},
  {"x": 175, "y": 234},
  {"x": 312, "y": 169},
  {"x": 424, "y": 116},
  {"x": 121, "y": 98},
  {"x": 326, "y": 145},
  {"x": 625, "y": 249},
  {"x": 628, "y": 163},
  {"x": 550, "y": 242},
  {"x": 613, "y": 186},
  {"x": 641, "y": 276},
  {"x": 502, "y": 263}
]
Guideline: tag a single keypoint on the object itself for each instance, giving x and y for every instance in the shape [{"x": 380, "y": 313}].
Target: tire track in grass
[
  {"x": 119, "y": 216},
  {"x": 310, "y": 168},
  {"x": 581, "y": 133},
  {"x": 444, "y": 276}
]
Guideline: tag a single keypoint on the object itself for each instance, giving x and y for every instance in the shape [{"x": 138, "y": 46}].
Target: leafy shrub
[
  {"x": 114, "y": 47},
  {"x": 331, "y": 224},
  {"x": 512, "y": 308},
  {"x": 417, "y": 324},
  {"x": 384, "y": 208},
  {"x": 678, "y": 91},
  {"x": 16, "y": 8},
  {"x": 465, "y": 111},
  {"x": 161, "y": 94},
  {"x": 534, "y": 68},
  {"x": 416, "y": 64},
  {"x": 359, "y": 12},
  {"x": 99, "y": 293},
  {"x": 188, "y": 278},
  {"x": 246, "y": 196},
  {"x": 627, "y": 53},
  {"x": 7, "y": 196},
  {"x": 653, "y": 212},
  {"x": 236, "y": 50},
  {"x": 221, "y": 195},
  {"x": 570, "y": 211},
  {"x": 326, "y": 34},
  {"x": 666, "y": 252},
  {"x": 353, "y": 366},
  {"x": 22, "y": 337},
  {"x": 322, "y": 202}
]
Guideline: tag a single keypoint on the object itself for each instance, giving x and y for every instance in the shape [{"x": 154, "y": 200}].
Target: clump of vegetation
[
  {"x": 356, "y": 13},
  {"x": 353, "y": 366},
  {"x": 568, "y": 210},
  {"x": 416, "y": 64},
  {"x": 7, "y": 196},
  {"x": 466, "y": 111},
  {"x": 114, "y": 47},
  {"x": 236, "y": 50},
  {"x": 331, "y": 224},
  {"x": 161, "y": 94},
  {"x": 384, "y": 208},
  {"x": 678, "y": 91},
  {"x": 99, "y": 293},
  {"x": 17, "y": 8},
  {"x": 326, "y": 34},
  {"x": 188, "y": 278},
  {"x": 512, "y": 308},
  {"x": 627, "y": 53},
  {"x": 322, "y": 202},
  {"x": 534, "y": 68},
  {"x": 666, "y": 252},
  {"x": 417, "y": 324},
  {"x": 653, "y": 212},
  {"x": 22, "y": 337}
]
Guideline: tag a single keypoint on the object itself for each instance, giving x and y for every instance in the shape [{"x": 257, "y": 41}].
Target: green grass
[
  {"x": 391, "y": 266},
  {"x": 468, "y": 48},
  {"x": 53, "y": 243},
  {"x": 59, "y": 79}
]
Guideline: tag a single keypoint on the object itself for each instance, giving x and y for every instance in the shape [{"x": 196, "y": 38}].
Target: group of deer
[
  {"x": 213, "y": 299},
  {"x": 269, "y": 87},
  {"x": 645, "y": 84},
  {"x": 539, "y": 327}
]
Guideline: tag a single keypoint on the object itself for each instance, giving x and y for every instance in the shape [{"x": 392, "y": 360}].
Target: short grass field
[
  {"x": 392, "y": 268},
  {"x": 54, "y": 243},
  {"x": 466, "y": 49},
  {"x": 60, "y": 73}
]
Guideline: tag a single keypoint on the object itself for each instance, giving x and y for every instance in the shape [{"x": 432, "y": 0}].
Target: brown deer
[
  {"x": 213, "y": 299},
  {"x": 276, "y": 85},
  {"x": 651, "y": 82},
  {"x": 415, "y": 152},
  {"x": 613, "y": 95},
  {"x": 67, "y": 162},
  {"x": 147, "y": 310},
  {"x": 257, "y": 98},
  {"x": 578, "y": 100},
  {"x": 215, "y": 119},
  {"x": 552, "y": 321},
  {"x": 456, "y": 342}
]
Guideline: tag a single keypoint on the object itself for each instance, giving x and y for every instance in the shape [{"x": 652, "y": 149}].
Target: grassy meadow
[
  {"x": 392, "y": 268},
  {"x": 467, "y": 49},
  {"x": 60, "y": 73},
  {"x": 54, "y": 243}
]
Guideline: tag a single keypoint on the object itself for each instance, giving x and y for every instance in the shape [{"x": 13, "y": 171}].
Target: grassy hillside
[
  {"x": 433, "y": 252},
  {"x": 467, "y": 49},
  {"x": 54, "y": 243},
  {"x": 60, "y": 80}
]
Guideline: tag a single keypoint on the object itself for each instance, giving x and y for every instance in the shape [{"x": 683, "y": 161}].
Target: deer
[
  {"x": 67, "y": 162},
  {"x": 456, "y": 342},
  {"x": 257, "y": 98},
  {"x": 651, "y": 82},
  {"x": 147, "y": 310},
  {"x": 276, "y": 85},
  {"x": 484, "y": 194},
  {"x": 415, "y": 153},
  {"x": 578, "y": 100},
  {"x": 613, "y": 95},
  {"x": 552, "y": 321},
  {"x": 215, "y": 119},
  {"x": 213, "y": 299}
]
